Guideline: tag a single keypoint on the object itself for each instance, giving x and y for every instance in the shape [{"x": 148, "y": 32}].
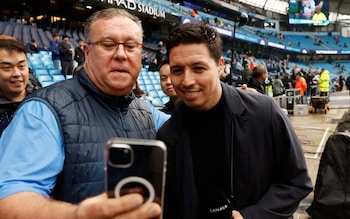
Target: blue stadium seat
[
  {"x": 152, "y": 93},
  {"x": 148, "y": 81},
  {"x": 143, "y": 87},
  {"x": 55, "y": 72},
  {"x": 38, "y": 72},
  {"x": 140, "y": 81},
  {"x": 149, "y": 87},
  {"x": 38, "y": 67},
  {"x": 44, "y": 78},
  {"x": 157, "y": 86},
  {"x": 47, "y": 83},
  {"x": 58, "y": 78},
  {"x": 161, "y": 93}
]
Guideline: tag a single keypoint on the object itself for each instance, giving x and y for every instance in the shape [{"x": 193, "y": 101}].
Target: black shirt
[{"x": 206, "y": 133}]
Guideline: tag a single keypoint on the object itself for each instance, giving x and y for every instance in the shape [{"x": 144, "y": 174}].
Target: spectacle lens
[{"x": 108, "y": 48}]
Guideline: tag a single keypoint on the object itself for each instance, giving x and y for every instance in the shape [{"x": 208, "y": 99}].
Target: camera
[{"x": 121, "y": 156}]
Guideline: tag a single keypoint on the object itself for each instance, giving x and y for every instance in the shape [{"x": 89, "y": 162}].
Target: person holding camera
[
  {"x": 231, "y": 153},
  {"x": 52, "y": 153}
]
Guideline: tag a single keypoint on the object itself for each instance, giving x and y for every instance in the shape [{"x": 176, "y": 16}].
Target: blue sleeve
[
  {"x": 159, "y": 117},
  {"x": 31, "y": 151},
  {"x": 54, "y": 48}
]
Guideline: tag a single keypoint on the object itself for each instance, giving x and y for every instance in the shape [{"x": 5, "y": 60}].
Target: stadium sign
[
  {"x": 138, "y": 7},
  {"x": 329, "y": 52}
]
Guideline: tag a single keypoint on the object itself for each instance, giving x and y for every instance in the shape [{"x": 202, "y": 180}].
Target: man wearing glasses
[{"x": 52, "y": 153}]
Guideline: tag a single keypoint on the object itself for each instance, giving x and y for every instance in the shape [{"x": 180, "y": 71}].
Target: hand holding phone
[{"x": 136, "y": 166}]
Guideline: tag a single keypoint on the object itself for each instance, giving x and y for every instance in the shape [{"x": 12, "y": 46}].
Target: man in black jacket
[
  {"x": 232, "y": 153},
  {"x": 66, "y": 55},
  {"x": 79, "y": 55}
]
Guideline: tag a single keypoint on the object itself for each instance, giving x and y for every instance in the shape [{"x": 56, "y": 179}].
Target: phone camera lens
[{"x": 120, "y": 156}]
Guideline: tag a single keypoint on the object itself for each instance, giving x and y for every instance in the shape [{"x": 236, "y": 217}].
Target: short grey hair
[{"x": 108, "y": 13}]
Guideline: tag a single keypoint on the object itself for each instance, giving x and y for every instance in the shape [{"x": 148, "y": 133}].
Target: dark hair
[
  {"x": 197, "y": 33},
  {"x": 164, "y": 62},
  {"x": 12, "y": 44},
  {"x": 138, "y": 91}
]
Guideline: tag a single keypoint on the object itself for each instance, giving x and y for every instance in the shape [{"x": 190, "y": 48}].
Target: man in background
[
  {"x": 66, "y": 56},
  {"x": 55, "y": 53},
  {"x": 32, "y": 46},
  {"x": 79, "y": 55}
]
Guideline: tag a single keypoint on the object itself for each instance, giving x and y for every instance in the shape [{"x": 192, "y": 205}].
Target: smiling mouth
[
  {"x": 190, "y": 93},
  {"x": 16, "y": 82}
]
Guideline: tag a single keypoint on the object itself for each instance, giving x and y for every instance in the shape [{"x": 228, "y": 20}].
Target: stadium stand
[{"x": 247, "y": 39}]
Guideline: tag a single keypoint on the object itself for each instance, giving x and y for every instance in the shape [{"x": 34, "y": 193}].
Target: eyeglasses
[{"x": 108, "y": 48}]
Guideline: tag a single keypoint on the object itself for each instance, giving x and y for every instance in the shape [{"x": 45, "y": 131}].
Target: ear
[{"x": 221, "y": 66}]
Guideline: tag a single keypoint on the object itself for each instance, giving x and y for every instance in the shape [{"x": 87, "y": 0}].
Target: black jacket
[
  {"x": 270, "y": 176},
  {"x": 65, "y": 53},
  {"x": 79, "y": 56}
]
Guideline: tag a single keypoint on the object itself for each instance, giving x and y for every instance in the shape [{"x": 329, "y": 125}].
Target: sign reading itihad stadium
[{"x": 134, "y": 6}]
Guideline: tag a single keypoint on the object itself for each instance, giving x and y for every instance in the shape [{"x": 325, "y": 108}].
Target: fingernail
[
  {"x": 153, "y": 211},
  {"x": 137, "y": 200}
]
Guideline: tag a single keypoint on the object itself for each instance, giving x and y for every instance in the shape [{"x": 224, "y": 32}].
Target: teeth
[{"x": 191, "y": 92}]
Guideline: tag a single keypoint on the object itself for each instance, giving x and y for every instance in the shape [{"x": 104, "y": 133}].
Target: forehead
[
  {"x": 188, "y": 54},
  {"x": 165, "y": 69},
  {"x": 116, "y": 27},
  {"x": 11, "y": 56}
]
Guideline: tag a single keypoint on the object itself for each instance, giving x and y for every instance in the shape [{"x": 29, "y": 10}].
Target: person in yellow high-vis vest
[{"x": 324, "y": 82}]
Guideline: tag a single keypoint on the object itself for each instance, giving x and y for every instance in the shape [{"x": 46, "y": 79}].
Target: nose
[
  {"x": 188, "y": 78},
  {"x": 120, "y": 51},
  {"x": 168, "y": 81},
  {"x": 16, "y": 72}
]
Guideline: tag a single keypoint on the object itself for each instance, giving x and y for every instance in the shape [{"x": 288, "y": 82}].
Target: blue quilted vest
[{"x": 88, "y": 118}]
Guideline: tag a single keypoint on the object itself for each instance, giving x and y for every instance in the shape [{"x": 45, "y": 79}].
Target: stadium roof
[{"x": 339, "y": 9}]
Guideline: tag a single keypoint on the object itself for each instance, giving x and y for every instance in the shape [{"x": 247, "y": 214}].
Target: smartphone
[{"x": 136, "y": 165}]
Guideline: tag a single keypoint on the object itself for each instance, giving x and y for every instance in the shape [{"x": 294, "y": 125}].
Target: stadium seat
[
  {"x": 58, "y": 78},
  {"x": 38, "y": 66},
  {"x": 153, "y": 93},
  {"x": 157, "y": 86},
  {"x": 149, "y": 87},
  {"x": 44, "y": 78},
  {"x": 148, "y": 81},
  {"x": 46, "y": 83},
  {"x": 54, "y": 72},
  {"x": 38, "y": 72},
  {"x": 161, "y": 93}
]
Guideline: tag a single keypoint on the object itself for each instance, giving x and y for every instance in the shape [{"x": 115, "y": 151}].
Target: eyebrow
[{"x": 9, "y": 63}]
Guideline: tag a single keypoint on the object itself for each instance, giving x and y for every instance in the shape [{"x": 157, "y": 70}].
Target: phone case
[{"x": 136, "y": 165}]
